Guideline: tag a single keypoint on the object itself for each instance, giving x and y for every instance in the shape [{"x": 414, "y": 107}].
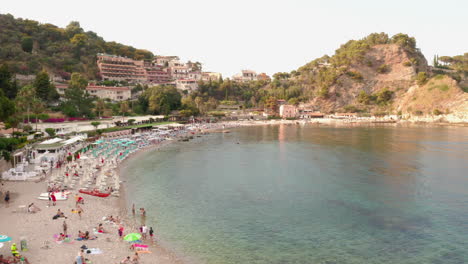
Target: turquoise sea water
[{"x": 305, "y": 194}]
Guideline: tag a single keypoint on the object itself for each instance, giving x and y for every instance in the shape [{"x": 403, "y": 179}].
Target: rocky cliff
[{"x": 383, "y": 76}]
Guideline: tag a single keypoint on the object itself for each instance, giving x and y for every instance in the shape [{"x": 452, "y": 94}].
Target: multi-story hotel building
[{"x": 119, "y": 68}]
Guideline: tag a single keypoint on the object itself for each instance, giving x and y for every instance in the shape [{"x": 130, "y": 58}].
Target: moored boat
[{"x": 94, "y": 193}]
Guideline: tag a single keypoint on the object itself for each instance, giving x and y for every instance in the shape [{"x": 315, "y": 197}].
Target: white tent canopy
[{"x": 52, "y": 141}]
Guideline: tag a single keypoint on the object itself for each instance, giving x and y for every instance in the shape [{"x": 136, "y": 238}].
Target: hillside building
[
  {"x": 245, "y": 76},
  {"x": 211, "y": 76},
  {"x": 118, "y": 68},
  {"x": 186, "y": 85},
  {"x": 104, "y": 92},
  {"x": 288, "y": 111},
  {"x": 263, "y": 77}
]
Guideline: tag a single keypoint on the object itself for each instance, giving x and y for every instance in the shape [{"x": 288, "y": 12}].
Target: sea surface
[{"x": 308, "y": 194}]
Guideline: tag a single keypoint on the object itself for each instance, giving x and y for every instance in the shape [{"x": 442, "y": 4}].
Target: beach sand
[{"x": 39, "y": 228}]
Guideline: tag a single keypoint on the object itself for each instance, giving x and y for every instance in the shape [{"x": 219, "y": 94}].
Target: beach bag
[{"x": 24, "y": 245}]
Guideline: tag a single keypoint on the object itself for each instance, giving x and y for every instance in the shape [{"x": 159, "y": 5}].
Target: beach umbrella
[
  {"x": 132, "y": 237},
  {"x": 4, "y": 238}
]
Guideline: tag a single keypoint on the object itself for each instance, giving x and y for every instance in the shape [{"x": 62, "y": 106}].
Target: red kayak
[{"x": 94, "y": 193}]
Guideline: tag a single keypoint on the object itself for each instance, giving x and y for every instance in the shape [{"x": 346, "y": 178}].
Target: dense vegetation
[{"x": 29, "y": 46}]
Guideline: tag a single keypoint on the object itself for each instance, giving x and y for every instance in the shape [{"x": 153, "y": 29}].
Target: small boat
[
  {"x": 94, "y": 193},
  {"x": 57, "y": 197},
  {"x": 56, "y": 194}
]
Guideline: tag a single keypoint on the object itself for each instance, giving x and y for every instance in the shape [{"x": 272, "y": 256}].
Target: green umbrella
[{"x": 132, "y": 237}]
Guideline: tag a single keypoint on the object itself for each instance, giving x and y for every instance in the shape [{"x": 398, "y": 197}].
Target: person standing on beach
[
  {"x": 121, "y": 229},
  {"x": 79, "y": 210},
  {"x": 133, "y": 209},
  {"x": 151, "y": 233},
  {"x": 7, "y": 198},
  {"x": 79, "y": 259},
  {"x": 144, "y": 231},
  {"x": 65, "y": 227},
  {"x": 54, "y": 199}
]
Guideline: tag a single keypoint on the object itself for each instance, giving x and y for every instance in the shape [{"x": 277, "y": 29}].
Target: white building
[
  {"x": 245, "y": 76},
  {"x": 103, "y": 92},
  {"x": 187, "y": 84}
]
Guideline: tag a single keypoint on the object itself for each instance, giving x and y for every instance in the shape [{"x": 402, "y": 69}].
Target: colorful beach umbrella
[
  {"x": 132, "y": 237},
  {"x": 4, "y": 238}
]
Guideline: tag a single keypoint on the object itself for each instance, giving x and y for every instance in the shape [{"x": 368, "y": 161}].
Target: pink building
[{"x": 288, "y": 111}]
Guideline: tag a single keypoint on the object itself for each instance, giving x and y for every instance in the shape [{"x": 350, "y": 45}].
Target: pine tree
[{"x": 43, "y": 86}]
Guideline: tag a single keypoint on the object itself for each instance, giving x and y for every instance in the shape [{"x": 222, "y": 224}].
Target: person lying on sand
[
  {"x": 59, "y": 214},
  {"x": 126, "y": 260},
  {"x": 7, "y": 260},
  {"x": 100, "y": 229},
  {"x": 61, "y": 237},
  {"x": 33, "y": 208}
]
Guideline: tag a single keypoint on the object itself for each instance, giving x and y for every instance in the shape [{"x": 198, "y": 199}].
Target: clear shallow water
[{"x": 292, "y": 194}]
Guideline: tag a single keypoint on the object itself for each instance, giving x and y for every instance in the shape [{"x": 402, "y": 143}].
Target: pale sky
[{"x": 265, "y": 36}]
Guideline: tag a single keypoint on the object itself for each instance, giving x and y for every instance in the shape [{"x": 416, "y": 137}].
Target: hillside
[
  {"x": 379, "y": 75},
  {"x": 28, "y": 46}
]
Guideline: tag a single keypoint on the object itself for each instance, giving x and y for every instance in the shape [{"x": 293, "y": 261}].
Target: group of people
[
  {"x": 134, "y": 260},
  {"x": 16, "y": 258}
]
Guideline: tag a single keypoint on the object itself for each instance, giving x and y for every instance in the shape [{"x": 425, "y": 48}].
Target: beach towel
[
  {"x": 94, "y": 251},
  {"x": 144, "y": 252}
]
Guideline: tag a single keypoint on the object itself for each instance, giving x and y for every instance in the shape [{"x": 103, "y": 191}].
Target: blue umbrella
[{"x": 4, "y": 238}]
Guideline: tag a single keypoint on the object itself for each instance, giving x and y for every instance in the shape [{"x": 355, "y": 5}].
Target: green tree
[
  {"x": 50, "y": 132},
  {"x": 7, "y": 108},
  {"x": 24, "y": 100},
  {"x": 77, "y": 100},
  {"x": 163, "y": 99},
  {"x": 100, "y": 107},
  {"x": 95, "y": 124},
  {"x": 7, "y": 83},
  {"x": 73, "y": 28},
  {"x": 38, "y": 107},
  {"x": 79, "y": 40},
  {"x": 12, "y": 122},
  {"x": 42, "y": 86},
  {"x": 124, "y": 108},
  {"x": 27, "y": 44},
  {"x": 421, "y": 78}
]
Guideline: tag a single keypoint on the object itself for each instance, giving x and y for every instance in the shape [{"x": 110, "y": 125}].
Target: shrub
[
  {"x": 363, "y": 98},
  {"x": 437, "y": 112},
  {"x": 355, "y": 75},
  {"x": 384, "y": 96},
  {"x": 273, "y": 117},
  {"x": 421, "y": 78},
  {"x": 380, "y": 113},
  {"x": 407, "y": 64},
  {"x": 50, "y": 132},
  {"x": 352, "y": 109},
  {"x": 442, "y": 87},
  {"x": 27, "y": 128},
  {"x": 418, "y": 112},
  {"x": 384, "y": 68}
]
